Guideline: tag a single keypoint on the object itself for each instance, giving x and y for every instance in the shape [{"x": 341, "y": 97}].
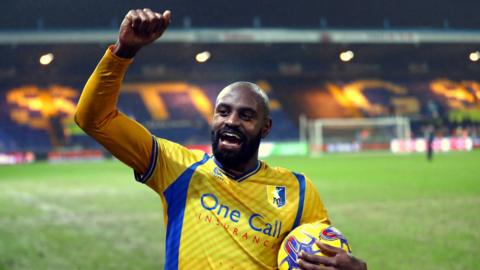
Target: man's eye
[
  {"x": 222, "y": 112},
  {"x": 247, "y": 116}
]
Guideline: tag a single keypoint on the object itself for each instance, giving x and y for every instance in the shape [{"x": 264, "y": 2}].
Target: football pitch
[{"x": 398, "y": 212}]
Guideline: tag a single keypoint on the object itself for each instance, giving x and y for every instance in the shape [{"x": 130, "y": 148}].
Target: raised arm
[{"x": 97, "y": 112}]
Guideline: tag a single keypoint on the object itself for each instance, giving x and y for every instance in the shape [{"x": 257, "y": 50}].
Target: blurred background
[{"x": 360, "y": 91}]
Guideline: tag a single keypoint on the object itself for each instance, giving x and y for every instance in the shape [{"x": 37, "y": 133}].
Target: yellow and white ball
[{"x": 303, "y": 239}]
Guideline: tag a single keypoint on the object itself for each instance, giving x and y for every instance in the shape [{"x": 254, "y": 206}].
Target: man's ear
[{"x": 267, "y": 127}]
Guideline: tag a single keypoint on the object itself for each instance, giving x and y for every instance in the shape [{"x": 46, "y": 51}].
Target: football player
[{"x": 225, "y": 211}]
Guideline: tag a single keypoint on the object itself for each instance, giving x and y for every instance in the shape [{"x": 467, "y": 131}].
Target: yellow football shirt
[
  {"x": 218, "y": 221},
  {"x": 214, "y": 220}
]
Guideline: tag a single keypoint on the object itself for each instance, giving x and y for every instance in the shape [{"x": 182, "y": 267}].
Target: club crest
[{"x": 277, "y": 196}]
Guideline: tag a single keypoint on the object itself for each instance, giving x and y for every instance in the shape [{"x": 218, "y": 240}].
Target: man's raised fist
[{"x": 140, "y": 27}]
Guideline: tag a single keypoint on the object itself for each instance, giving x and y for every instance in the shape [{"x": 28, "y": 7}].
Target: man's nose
[{"x": 233, "y": 119}]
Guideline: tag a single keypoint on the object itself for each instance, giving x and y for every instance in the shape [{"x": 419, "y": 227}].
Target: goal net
[{"x": 352, "y": 134}]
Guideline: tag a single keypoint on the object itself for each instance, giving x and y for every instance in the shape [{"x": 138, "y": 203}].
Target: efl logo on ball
[{"x": 303, "y": 239}]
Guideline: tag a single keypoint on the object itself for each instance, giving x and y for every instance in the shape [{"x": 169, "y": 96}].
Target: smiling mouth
[{"x": 230, "y": 140}]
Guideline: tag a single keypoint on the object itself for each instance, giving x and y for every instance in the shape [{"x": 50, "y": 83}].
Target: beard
[{"x": 230, "y": 158}]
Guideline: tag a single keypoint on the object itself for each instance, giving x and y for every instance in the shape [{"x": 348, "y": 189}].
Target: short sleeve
[{"x": 314, "y": 210}]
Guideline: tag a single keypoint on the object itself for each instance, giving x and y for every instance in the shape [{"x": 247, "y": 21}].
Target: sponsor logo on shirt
[
  {"x": 256, "y": 221},
  {"x": 217, "y": 174}
]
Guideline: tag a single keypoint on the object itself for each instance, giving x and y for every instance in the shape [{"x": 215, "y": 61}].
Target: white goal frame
[{"x": 312, "y": 130}]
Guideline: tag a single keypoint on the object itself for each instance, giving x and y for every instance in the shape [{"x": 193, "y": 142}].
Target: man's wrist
[{"x": 124, "y": 51}]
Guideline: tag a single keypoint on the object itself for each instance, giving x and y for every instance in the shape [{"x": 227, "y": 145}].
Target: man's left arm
[{"x": 335, "y": 258}]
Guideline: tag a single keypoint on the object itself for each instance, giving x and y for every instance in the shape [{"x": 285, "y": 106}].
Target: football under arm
[{"x": 98, "y": 116}]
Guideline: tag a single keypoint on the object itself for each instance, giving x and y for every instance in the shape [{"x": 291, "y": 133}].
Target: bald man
[{"x": 226, "y": 211}]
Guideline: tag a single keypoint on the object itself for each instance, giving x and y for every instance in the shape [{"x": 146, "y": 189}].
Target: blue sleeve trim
[
  {"x": 151, "y": 166},
  {"x": 176, "y": 197},
  {"x": 301, "y": 200}
]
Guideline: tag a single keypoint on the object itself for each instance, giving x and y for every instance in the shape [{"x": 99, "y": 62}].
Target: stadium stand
[
  {"x": 181, "y": 120},
  {"x": 183, "y": 123}
]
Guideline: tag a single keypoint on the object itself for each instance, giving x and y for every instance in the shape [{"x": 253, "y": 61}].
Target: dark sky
[{"x": 54, "y": 14}]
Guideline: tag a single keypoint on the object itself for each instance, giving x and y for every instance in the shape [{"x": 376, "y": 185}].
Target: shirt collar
[{"x": 241, "y": 177}]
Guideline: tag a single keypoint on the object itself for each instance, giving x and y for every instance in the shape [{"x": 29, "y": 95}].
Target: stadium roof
[
  {"x": 233, "y": 61},
  {"x": 247, "y": 38},
  {"x": 91, "y": 14},
  {"x": 253, "y": 35}
]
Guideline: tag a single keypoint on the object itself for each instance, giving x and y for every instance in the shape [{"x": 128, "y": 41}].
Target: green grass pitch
[{"x": 398, "y": 212}]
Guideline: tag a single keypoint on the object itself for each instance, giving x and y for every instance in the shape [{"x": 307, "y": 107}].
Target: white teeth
[{"x": 232, "y": 135}]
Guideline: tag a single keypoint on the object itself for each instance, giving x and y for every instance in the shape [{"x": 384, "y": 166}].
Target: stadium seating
[
  {"x": 183, "y": 124},
  {"x": 181, "y": 119}
]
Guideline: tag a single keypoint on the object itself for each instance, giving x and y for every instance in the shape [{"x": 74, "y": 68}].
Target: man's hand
[
  {"x": 335, "y": 259},
  {"x": 139, "y": 28}
]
